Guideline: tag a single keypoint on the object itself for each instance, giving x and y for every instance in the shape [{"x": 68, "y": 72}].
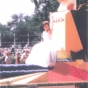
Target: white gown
[{"x": 44, "y": 53}]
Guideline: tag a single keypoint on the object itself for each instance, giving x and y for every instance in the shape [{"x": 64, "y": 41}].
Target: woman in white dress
[
  {"x": 67, "y": 5},
  {"x": 44, "y": 53}
]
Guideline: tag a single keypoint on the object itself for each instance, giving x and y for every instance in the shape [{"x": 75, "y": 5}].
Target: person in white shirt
[
  {"x": 24, "y": 56},
  {"x": 43, "y": 54},
  {"x": 7, "y": 57}
]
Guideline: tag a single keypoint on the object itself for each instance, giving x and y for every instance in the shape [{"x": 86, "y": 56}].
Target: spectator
[
  {"x": 13, "y": 50},
  {"x": 7, "y": 57},
  {"x": 24, "y": 56},
  {"x": 1, "y": 52},
  {"x": 17, "y": 58}
]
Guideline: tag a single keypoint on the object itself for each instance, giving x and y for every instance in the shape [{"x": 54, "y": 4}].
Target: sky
[{"x": 10, "y": 7}]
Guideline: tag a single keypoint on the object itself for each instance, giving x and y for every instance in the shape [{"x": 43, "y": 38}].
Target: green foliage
[
  {"x": 45, "y": 6},
  {"x": 4, "y": 30}
]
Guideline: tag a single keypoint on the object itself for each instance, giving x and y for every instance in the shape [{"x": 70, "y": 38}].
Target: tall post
[
  {"x": 0, "y": 39},
  {"x": 28, "y": 39},
  {"x": 14, "y": 39}
]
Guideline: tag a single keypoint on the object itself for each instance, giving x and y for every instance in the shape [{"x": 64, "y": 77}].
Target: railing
[{"x": 23, "y": 42}]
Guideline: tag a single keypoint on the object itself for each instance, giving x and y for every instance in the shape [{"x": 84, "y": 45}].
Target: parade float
[{"x": 69, "y": 32}]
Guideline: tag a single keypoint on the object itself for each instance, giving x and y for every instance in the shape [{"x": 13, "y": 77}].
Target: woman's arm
[{"x": 50, "y": 31}]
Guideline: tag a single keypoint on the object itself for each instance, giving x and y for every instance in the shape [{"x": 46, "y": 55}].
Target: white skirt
[{"x": 42, "y": 54}]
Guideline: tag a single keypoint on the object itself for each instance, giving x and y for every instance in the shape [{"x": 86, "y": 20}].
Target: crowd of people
[{"x": 13, "y": 55}]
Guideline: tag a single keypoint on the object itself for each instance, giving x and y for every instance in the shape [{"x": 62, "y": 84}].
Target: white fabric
[
  {"x": 7, "y": 58},
  {"x": 63, "y": 7},
  {"x": 43, "y": 53},
  {"x": 46, "y": 36}
]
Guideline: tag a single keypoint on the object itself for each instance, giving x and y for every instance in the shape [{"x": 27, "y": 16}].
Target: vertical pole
[
  {"x": 28, "y": 38},
  {"x": 0, "y": 39},
  {"x": 14, "y": 40}
]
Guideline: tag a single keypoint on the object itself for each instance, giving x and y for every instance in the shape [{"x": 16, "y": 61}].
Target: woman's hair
[
  {"x": 7, "y": 52},
  {"x": 45, "y": 22}
]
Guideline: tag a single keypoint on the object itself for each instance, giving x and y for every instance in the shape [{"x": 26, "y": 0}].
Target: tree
[
  {"x": 5, "y": 34},
  {"x": 4, "y": 30},
  {"x": 45, "y": 6},
  {"x": 22, "y": 25}
]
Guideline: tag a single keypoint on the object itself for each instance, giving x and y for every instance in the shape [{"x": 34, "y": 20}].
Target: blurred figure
[
  {"x": 6, "y": 49},
  {"x": 17, "y": 58},
  {"x": 4, "y": 55},
  {"x": 26, "y": 46},
  {"x": 24, "y": 56},
  {"x": 12, "y": 50},
  {"x": 1, "y": 52},
  {"x": 7, "y": 57},
  {"x": 2, "y": 61}
]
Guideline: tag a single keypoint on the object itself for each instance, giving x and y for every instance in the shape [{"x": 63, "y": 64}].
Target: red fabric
[
  {"x": 64, "y": 72},
  {"x": 70, "y": 7}
]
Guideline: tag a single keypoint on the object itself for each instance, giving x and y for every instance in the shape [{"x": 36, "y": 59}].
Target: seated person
[
  {"x": 17, "y": 58},
  {"x": 24, "y": 56},
  {"x": 43, "y": 53}
]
